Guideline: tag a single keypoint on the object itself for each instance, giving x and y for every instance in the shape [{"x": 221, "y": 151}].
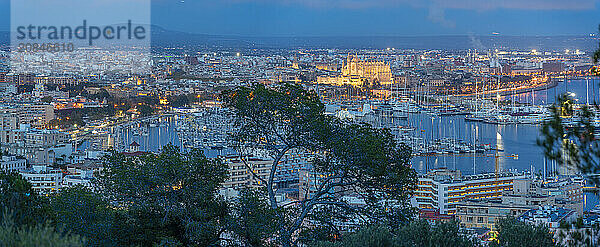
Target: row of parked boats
[
  {"x": 483, "y": 112},
  {"x": 394, "y": 116},
  {"x": 510, "y": 115},
  {"x": 206, "y": 128}
]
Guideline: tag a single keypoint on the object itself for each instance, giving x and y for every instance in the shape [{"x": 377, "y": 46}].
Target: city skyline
[{"x": 300, "y": 123}]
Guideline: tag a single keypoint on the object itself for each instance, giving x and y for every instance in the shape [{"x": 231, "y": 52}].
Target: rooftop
[
  {"x": 552, "y": 213},
  {"x": 445, "y": 175}
]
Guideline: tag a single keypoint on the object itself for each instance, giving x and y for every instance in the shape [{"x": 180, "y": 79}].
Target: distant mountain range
[{"x": 163, "y": 37}]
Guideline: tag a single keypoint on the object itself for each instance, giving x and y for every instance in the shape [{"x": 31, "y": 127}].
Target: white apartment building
[
  {"x": 8, "y": 119},
  {"x": 82, "y": 178},
  {"x": 43, "y": 179},
  {"x": 37, "y": 146},
  {"x": 37, "y": 115},
  {"x": 12, "y": 163},
  {"x": 240, "y": 176}
]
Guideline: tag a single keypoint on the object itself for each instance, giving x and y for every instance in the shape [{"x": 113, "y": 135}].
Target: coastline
[{"x": 552, "y": 83}]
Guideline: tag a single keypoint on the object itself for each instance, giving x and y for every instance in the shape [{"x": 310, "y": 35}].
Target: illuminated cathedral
[{"x": 358, "y": 72}]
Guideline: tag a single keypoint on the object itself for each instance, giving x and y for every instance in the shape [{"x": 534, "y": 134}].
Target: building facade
[
  {"x": 357, "y": 72},
  {"x": 43, "y": 179},
  {"x": 560, "y": 192},
  {"x": 240, "y": 172},
  {"x": 443, "y": 189},
  {"x": 38, "y": 146},
  {"x": 486, "y": 213},
  {"x": 12, "y": 163}
]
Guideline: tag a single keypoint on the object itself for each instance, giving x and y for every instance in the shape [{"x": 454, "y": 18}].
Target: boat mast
[{"x": 498, "y": 86}]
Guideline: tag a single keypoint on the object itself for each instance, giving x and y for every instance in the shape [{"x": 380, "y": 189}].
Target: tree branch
[
  {"x": 272, "y": 176},
  {"x": 250, "y": 168}
]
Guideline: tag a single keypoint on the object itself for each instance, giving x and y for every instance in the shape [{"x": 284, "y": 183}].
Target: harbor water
[{"x": 516, "y": 142}]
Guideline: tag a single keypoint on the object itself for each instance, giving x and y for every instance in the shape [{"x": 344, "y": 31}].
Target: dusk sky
[{"x": 371, "y": 17}]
